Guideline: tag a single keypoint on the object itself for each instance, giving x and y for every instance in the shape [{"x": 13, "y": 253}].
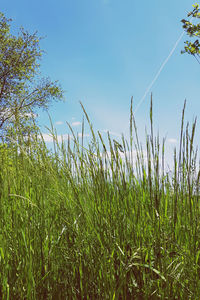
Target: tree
[
  {"x": 193, "y": 31},
  {"x": 22, "y": 90}
]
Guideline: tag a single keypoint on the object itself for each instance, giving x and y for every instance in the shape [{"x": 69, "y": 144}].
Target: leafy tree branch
[
  {"x": 192, "y": 46},
  {"x": 22, "y": 89}
]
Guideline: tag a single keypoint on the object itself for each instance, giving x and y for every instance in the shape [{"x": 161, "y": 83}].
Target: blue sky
[{"x": 105, "y": 51}]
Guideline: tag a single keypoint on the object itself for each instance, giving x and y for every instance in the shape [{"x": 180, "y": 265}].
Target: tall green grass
[{"x": 99, "y": 222}]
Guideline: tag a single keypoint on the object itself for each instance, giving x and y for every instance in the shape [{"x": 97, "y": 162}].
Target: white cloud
[
  {"x": 59, "y": 123},
  {"x": 48, "y": 138},
  {"x": 111, "y": 132},
  {"x": 172, "y": 141},
  {"x": 7, "y": 112},
  {"x": 84, "y": 135},
  {"x": 76, "y": 124},
  {"x": 30, "y": 115}
]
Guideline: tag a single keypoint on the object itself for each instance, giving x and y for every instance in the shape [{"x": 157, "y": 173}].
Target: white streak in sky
[{"x": 158, "y": 73}]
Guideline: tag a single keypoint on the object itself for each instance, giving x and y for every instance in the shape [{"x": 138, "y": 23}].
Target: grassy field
[{"x": 83, "y": 222}]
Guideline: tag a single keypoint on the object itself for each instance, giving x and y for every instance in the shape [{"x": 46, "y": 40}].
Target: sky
[{"x": 103, "y": 52}]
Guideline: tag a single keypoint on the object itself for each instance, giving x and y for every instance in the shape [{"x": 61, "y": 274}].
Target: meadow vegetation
[{"x": 81, "y": 222}]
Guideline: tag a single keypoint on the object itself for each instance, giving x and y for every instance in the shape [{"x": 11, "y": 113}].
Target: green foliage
[
  {"x": 193, "y": 31},
  {"x": 76, "y": 224},
  {"x": 22, "y": 90}
]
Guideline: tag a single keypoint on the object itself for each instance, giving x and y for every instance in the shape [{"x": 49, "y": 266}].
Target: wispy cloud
[
  {"x": 111, "y": 132},
  {"x": 76, "y": 124},
  {"x": 84, "y": 135},
  {"x": 59, "y": 123},
  {"x": 9, "y": 113},
  {"x": 172, "y": 141},
  {"x": 48, "y": 138}
]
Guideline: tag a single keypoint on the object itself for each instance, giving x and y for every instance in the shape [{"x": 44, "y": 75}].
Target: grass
[{"x": 80, "y": 222}]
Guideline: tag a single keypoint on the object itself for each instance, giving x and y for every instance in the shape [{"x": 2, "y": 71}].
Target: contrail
[{"x": 159, "y": 71}]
